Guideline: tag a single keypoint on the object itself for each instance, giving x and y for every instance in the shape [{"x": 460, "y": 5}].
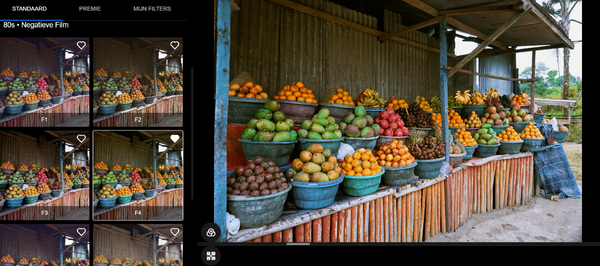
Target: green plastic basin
[
  {"x": 357, "y": 143},
  {"x": 509, "y": 147},
  {"x": 484, "y": 150},
  {"x": 277, "y": 151},
  {"x": 315, "y": 195},
  {"x": 429, "y": 168},
  {"x": 358, "y": 186},
  {"x": 331, "y": 144},
  {"x": 257, "y": 211},
  {"x": 398, "y": 176}
]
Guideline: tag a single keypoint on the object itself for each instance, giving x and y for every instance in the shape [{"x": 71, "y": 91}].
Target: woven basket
[{"x": 415, "y": 134}]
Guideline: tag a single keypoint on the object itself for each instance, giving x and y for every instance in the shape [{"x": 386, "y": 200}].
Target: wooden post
[
  {"x": 444, "y": 84},
  {"x": 223, "y": 25},
  {"x": 532, "y": 104}
]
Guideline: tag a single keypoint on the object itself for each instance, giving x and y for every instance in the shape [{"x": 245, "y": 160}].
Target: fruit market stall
[
  {"x": 45, "y": 244},
  {"x": 44, "y": 174},
  {"x": 32, "y": 94},
  {"x": 146, "y": 244},
  {"x": 402, "y": 170},
  {"x": 138, "y": 175},
  {"x": 137, "y": 81}
]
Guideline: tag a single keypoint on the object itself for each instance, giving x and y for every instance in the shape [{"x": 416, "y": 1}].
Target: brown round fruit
[
  {"x": 260, "y": 178},
  {"x": 257, "y": 160}
]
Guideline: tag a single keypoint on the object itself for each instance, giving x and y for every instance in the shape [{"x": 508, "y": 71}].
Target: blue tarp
[{"x": 554, "y": 173}]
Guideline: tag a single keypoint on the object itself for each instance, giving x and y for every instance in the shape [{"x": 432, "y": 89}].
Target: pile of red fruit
[
  {"x": 391, "y": 124},
  {"x": 135, "y": 177},
  {"x": 135, "y": 84},
  {"x": 41, "y": 177},
  {"x": 42, "y": 83}
]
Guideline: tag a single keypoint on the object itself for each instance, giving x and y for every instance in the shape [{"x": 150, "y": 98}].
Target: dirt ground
[{"x": 574, "y": 155}]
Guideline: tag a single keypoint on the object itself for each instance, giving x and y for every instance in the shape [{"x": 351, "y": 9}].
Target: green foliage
[{"x": 575, "y": 133}]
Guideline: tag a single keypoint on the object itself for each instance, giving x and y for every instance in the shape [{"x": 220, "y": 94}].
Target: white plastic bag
[
  {"x": 554, "y": 124},
  {"x": 344, "y": 149},
  {"x": 445, "y": 170},
  {"x": 118, "y": 94},
  {"x": 233, "y": 224}
]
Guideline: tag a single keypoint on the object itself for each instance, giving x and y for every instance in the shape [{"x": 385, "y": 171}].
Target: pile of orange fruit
[
  {"x": 101, "y": 258},
  {"x": 101, "y": 165},
  {"x": 68, "y": 88},
  {"x": 43, "y": 95},
  {"x": 7, "y": 258},
  {"x": 125, "y": 98},
  {"x": 393, "y": 155},
  {"x": 117, "y": 167},
  {"x": 248, "y": 90},
  {"x": 124, "y": 191},
  {"x": 361, "y": 163},
  {"x": 68, "y": 181},
  {"x": 178, "y": 181},
  {"x": 161, "y": 181},
  {"x": 296, "y": 92},
  {"x": 454, "y": 119},
  {"x": 137, "y": 95},
  {"x": 85, "y": 88},
  {"x": 100, "y": 72},
  {"x": 520, "y": 100},
  {"x": 472, "y": 121},
  {"x": 397, "y": 103},
  {"x": 509, "y": 134},
  {"x": 7, "y": 165},
  {"x": 465, "y": 137},
  {"x": 23, "y": 167},
  {"x": 43, "y": 188},
  {"x": 117, "y": 74},
  {"x": 179, "y": 88},
  {"x": 437, "y": 119},
  {"x": 85, "y": 181},
  {"x": 31, "y": 98},
  {"x": 7, "y": 72},
  {"x": 31, "y": 191},
  {"x": 23, "y": 74},
  {"x": 24, "y": 261},
  {"x": 531, "y": 132},
  {"x": 341, "y": 97},
  {"x": 137, "y": 188}
]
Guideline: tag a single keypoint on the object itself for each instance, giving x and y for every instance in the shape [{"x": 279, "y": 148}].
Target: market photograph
[
  {"x": 44, "y": 175},
  {"x": 45, "y": 244},
  {"x": 412, "y": 121},
  {"x": 138, "y": 82},
  {"x": 44, "y": 82},
  {"x": 138, "y": 244},
  {"x": 138, "y": 175}
]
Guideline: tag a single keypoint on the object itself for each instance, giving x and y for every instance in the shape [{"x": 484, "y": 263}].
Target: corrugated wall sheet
[
  {"x": 277, "y": 46},
  {"x": 113, "y": 245},
  {"x": 19, "y": 58},
  {"x": 500, "y": 65},
  {"x": 112, "y": 55},
  {"x": 21, "y": 152},
  {"x": 112, "y": 152},
  {"x": 17, "y": 245}
]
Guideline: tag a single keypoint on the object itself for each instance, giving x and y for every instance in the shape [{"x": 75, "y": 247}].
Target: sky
[{"x": 546, "y": 56}]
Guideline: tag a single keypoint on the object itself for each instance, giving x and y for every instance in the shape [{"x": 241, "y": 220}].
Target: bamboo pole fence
[{"x": 143, "y": 116}]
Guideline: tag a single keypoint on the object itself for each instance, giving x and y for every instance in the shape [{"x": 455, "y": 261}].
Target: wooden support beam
[
  {"x": 494, "y": 77},
  {"x": 489, "y": 40},
  {"x": 411, "y": 28},
  {"x": 532, "y": 105},
  {"x": 476, "y": 10},
  {"x": 549, "y": 23},
  {"x": 488, "y": 52}
]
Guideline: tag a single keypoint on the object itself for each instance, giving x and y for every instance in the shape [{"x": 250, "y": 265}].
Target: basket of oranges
[
  {"x": 125, "y": 101},
  {"x": 31, "y": 102},
  {"x": 137, "y": 190},
  {"x": 510, "y": 141},
  {"x": 532, "y": 138},
  {"x": 125, "y": 195},
  {"x": 362, "y": 173},
  {"x": 398, "y": 163}
]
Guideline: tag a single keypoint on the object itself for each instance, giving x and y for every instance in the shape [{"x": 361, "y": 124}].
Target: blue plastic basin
[
  {"x": 398, "y": 176},
  {"x": 332, "y": 144},
  {"x": 532, "y": 144},
  {"x": 429, "y": 168},
  {"x": 257, "y": 211},
  {"x": 358, "y": 186},
  {"x": 315, "y": 195},
  {"x": 484, "y": 150},
  {"x": 509, "y": 147},
  {"x": 470, "y": 149}
]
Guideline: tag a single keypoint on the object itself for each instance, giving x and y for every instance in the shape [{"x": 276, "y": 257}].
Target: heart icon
[
  {"x": 81, "y": 44},
  {"x": 81, "y": 138},
  {"x": 174, "y": 231},
  {"x": 81, "y": 231},
  {"x": 174, "y": 44}
]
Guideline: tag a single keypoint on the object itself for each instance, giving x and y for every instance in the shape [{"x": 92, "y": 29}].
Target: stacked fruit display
[
  {"x": 30, "y": 84},
  {"x": 7, "y": 72},
  {"x": 370, "y": 98},
  {"x": 137, "y": 95},
  {"x": 55, "y": 92},
  {"x": 148, "y": 92},
  {"x": 316, "y": 164},
  {"x": 123, "y": 85},
  {"x": 107, "y": 192},
  {"x": 7, "y": 165},
  {"x": 101, "y": 258},
  {"x": 509, "y": 134},
  {"x": 135, "y": 177},
  {"x": 24, "y": 260},
  {"x": 14, "y": 98},
  {"x": 117, "y": 260},
  {"x": 486, "y": 135},
  {"x": 397, "y": 103},
  {"x": 147, "y": 185},
  {"x": 43, "y": 95},
  {"x": 454, "y": 119},
  {"x": 125, "y": 98},
  {"x": 390, "y": 124},
  {"x": 97, "y": 178},
  {"x": 137, "y": 188},
  {"x": 108, "y": 98},
  {"x": 42, "y": 188},
  {"x": 101, "y": 165},
  {"x": 341, "y": 97},
  {"x": 100, "y": 72},
  {"x": 42, "y": 84},
  {"x": 7, "y": 258},
  {"x": 257, "y": 178},
  {"x": 247, "y": 90},
  {"x": 427, "y": 149},
  {"x": 437, "y": 119},
  {"x": 472, "y": 121},
  {"x": 14, "y": 192},
  {"x": 16, "y": 178},
  {"x": 30, "y": 177},
  {"x": 361, "y": 163},
  {"x": 31, "y": 192},
  {"x": 358, "y": 124},
  {"x": 518, "y": 114},
  {"x": 464, "y": 137},
  {"x": 424, "y": 104},
  {"x": 54, "y": 185},
  {"x": 393, "y": 155},
  {"x": 31, "y": 98},
  {"x": 3, "y": 85},
  {"x": 110, "y": 85},
  {"x": 520, "y": 99},
  {"x": 321, "y": 126},
  {"x": 109, "y": 178},
  {"x": 296, "y": 92},
  {"x": 531, "y": 132},
  {"x": 127, "y": 261},
  {"x": 123, "y": 177},
  {"x": 269, "y": 124},
  {"x": 494, "y": 112},
  {"x": 415, "y": 116},
  {"x": 16, "y": 85}
]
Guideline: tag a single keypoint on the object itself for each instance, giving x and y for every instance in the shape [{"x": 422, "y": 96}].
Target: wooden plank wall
[{"x": 423, "y": 213}]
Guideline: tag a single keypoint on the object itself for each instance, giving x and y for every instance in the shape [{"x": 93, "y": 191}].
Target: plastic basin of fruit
[
  {"x": 19, "y": 184},
  {"x": 458, "y": 110},
  {"x": 86, "y": 92},
  {"x": 124, "y": 184},
  {"x": 107, "y": 202},
  {"x": 138, "y": 196},
  {"x": 358, "y": 186},
  {"x": 44, "y": 103},
  {"x": 125, "y": 106},
  {"x": 315, "y": 195},
  {"x": 3, "y": 93},
  {"x": 6, "y": 263},
  {"x": 149, "y": 192},
  {"x": 31, "y": 199},
  {"x": 3, "y": 185},
  {"x": 509, "y": 147},
  {"x": 76, "y": 186},
  {"x": 484, "y": 150},
  {"x": 537, "y": 118},
  {"x": 112, "y": 184},
  {"x": 469, "y": 149},
  {"x": 55, "y": 193},
  {"x": 467, "y": 109},
  {"x": 398, "y": 176},
  {"x": 8, "y": 78},
  {"x": 499, "y": 128},
  {"x": 427, "y": 169},
  {"x": 241, "y": 110},
  {"x": 100, "y": 171},
  {"x": 45, "y": 196},
  {"x": 107, "y": 109},
  {"x": 257, "y": 211},
  {"x": 95, "y": 204},
  {"x": 297, "y": 111},
  {"x": 332, "y": 144},
  {"x": 472, "y": 130},
  {"x": 150, "y": 99},
  {"x": 277, "y": 151},
  {"x": 357, "y": 143},
  {"x": 532, "y": 144},
  {"x": 337, "y": 111},
  {"x": 519, "y": 126},
  {"x": 85, "y": 185},
  {"x": 7, "y": 172},
  {"x": 372, "y": 111},
  {"x": 13, "y": 109},
  {"x": 178, "y": 185},
  {"x": 559, "y": 137},
  {"x": 13, "y": 202},
  {"x": 76, "y": 93},
  {"x": 456, "y": 159},
  {"x": 55, "y": 100},
  {"x": 387, "y": 140}
]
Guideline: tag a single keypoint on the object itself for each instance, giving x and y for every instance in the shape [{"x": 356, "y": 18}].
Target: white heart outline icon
[
  {"x": 81, "y": 233},
  {"x": 81, "y": 44},
  {"x": 174, "y": 229},
  {"x": 81, "y": 140},
  {"x": 176, "y": 44}
]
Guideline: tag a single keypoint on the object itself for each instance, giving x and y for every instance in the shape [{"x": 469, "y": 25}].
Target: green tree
[
  {"x": 561, "y": 11},
  {"x": 540, "y": 86}
]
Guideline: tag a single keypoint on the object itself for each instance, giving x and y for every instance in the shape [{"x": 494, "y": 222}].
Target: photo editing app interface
[{"x": 95, "y": 129}]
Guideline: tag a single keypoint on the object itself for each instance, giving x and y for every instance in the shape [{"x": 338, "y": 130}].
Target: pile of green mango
[
  {"x": 321, "y": 126},
  {"x": 270, "y": 124},
  {"x": 358, "y": 124},
  {"x": 486, "y": 135}
]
